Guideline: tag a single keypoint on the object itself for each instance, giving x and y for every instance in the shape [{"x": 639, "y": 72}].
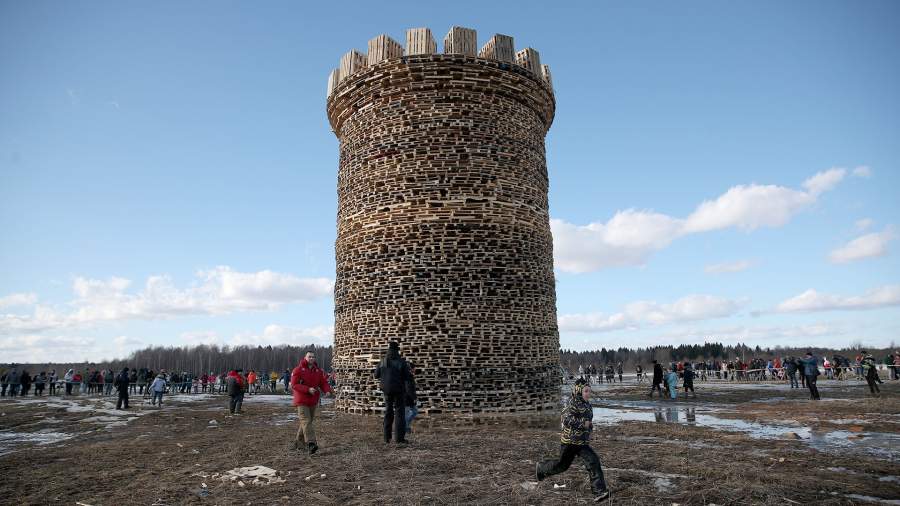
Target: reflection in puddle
[{"x": 876, "y": 443}]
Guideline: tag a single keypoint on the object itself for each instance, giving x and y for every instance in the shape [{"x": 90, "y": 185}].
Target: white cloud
[
  {"x": 824, "y": 181},
  {"x": 18, "y": 299},
  {"x": 195, "y": 338},
  {"x": 278, "y": 334},
  {"x": 726, "y": 267},
  {"x": 631, "y": 236},
  {"x": 866, "y": 246},
  {"x": 217, "y": 291},
  {"x": 862, "y": 171},
  {"x": 64, "y": 348},
  {"x": 627, "y": 239},
  {"x": 811, "y": 300},
  {"x": 637, "y": 314},
  {"x": 863, "y": 224}
]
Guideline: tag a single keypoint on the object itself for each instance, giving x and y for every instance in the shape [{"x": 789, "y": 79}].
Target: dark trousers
[
  {"x": 52, "y": 388},
  {"x": 567, "y": 454},
  {"x": 871, "y": 380},
  {"x": 123, "y": 399},
  {"x": 68, "y": 388},
  {"x": 394, "y": 414},
  {"x": 656, "y": 387},
  {"x": 813, "y": 390},
  {"x": 235, "y": 403},
  {"x": 793, "y": 377}
]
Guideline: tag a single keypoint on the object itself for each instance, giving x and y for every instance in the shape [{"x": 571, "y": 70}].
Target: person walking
[
  {"x": 811, "y": 372},
  {"x": 308, "y": 383},
  {"x": 871, "y": 373},
  {"x": 157, "y": 388},
  {"x": 393, "y": 371},
  {"x": 577, "y": 424},
  {"x": 236, "y": 385},
  {"x": 123, "y": 380},
  {"x": 656, "y": 385}
]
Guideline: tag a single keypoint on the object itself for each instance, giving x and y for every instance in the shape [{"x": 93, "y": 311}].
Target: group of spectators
[{"x": 802, "y": 372}]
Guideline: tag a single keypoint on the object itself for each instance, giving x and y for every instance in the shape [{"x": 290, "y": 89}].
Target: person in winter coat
[
  {"x": 411, "y": 408},
  {"x": 69, "y": 378},
  {"x": 157, "y": 388},
  {"x": 236, "y": 386},
  {"x": 109, "y": 379},
  {"x": 25, "y": 380},
  {"x": 672, "y": 383},
  {"x": 689, "y": 380},
  {"x": 657, "y": 379},
  {"x": 39, "y": 381},
  {"x": 273, "y": 381},
  {"x": 870, "y": 369},
  {"x": 122, "y": 381},
  {"x": 810, "y": 366},
  {"x": 308, "y": 382},
  {"x": 577, "y": 424},
  {"x": 52, "y": 378},
  {"x": 4, "y": 383},
  {"x": 790, "y": 367},
  {"x": 393, "y": 371}
]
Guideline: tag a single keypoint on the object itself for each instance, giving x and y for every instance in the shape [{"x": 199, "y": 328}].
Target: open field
[{"x": 735, "y": 444}]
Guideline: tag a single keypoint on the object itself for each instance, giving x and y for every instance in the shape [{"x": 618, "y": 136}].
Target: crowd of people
[
  {"x": 802, "y": 372},
  {"x": 16, "y": 381}
]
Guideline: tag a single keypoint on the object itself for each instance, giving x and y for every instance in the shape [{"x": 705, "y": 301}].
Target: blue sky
[{"x": 168, "y": 174}]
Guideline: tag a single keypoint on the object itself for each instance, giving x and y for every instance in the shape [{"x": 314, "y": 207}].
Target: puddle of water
[
  {"x": 868, "y": 498},
  {"x": 874, "y": 443}
]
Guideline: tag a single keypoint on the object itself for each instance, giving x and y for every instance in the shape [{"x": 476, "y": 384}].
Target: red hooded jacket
[{"x": 304, "y": 377}]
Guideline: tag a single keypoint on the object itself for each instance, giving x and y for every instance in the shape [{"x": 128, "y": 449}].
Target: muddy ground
[{"x": 734, "y": 444}]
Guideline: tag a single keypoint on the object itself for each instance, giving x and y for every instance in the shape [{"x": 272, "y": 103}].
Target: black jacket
[
  {"x": 410, "y": 391},
  {"x": 393, "y": 373},
  {"x": 121, "y": 382},
  {"x": 657, "y": 373}
]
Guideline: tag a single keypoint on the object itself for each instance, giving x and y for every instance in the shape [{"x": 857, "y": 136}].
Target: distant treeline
[{"x": 204, "y": 358}]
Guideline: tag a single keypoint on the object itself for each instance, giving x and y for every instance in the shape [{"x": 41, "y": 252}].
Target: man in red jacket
[{"x": 308, "y": 382}]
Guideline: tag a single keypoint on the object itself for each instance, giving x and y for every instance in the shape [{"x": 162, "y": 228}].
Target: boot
[
  {"x": 540, "y": 470},
  {"x": 312, "y": 448},
  {"x": 601, "y": 495}
]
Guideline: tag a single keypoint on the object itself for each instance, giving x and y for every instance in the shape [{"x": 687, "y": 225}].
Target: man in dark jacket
[
  {"x": 657, "y": 379},
  {"x": 575, "y": 439},
  {"x": 235, "y": 385},
  {"x": 122, "y": 382},
  {"x": 790, "y": 367},
  {"x": 393, "y": 371},
  {"x": 810, "y": 366}
]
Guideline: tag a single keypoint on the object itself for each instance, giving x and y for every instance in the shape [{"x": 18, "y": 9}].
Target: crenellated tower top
[{"x": 420, "y": 41}]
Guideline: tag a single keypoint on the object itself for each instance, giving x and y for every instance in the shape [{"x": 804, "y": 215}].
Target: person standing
[
  {"x": 235, "y": 384},
  {"x": 273, "y": 381},
  {"x": 810, "y": 366},
  {"x": 657, "y": 379},
  {"x": 123, "y": 380},
  {"x": 790, "y": 366},
  {"x": 689, "y": 380},
  {"x": 577, "y": 424},
  {"x": 308, "y": 383},
  {"x": 25, "y": 380},
  {"x": 39, "y": 381},
  {"x": 393, "y": 371},
  {"x": 157, "y": 388},
  {"x": 640, "y": 373},
  {"x": 871, "y": 373},
  {"x": 52, "y": 379},
  {"x": 619, "y": 370},
  {"x": 672, "y": 383}
]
